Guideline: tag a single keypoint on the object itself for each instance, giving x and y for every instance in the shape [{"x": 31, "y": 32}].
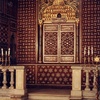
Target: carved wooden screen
[
  {"x": 67, "y": 43},
  {"x": 59, "y": 43},
  {"x": 50, "y": 40}
]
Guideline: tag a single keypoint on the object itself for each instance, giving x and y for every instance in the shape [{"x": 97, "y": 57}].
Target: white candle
[
  {"x": 8, "y": 51},
  {"x": 85, "y": 50},
  {"x": 2, "y": 51},
  {"x": 92, "y": 50},
  {"x": 88, "y": 50}
]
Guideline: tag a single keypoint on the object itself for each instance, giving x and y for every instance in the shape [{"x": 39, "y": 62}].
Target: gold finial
[{"x": 96, "y": 59}]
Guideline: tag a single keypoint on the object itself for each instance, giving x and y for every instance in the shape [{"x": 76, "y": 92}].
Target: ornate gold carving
[
  {"x": 65, "y": 11},
  {"x": 66, "y": 8},
  {"x": 58, "y": 2}
]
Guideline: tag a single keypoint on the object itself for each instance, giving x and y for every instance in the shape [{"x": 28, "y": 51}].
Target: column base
[{"x": 76, "y": 93}]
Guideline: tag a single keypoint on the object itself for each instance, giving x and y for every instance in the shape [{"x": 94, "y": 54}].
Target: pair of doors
[{"x": 59, "y": 43}]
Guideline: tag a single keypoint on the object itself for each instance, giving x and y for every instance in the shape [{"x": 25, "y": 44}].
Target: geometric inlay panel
[
  {"x": 50, "y": 43},
  {"x": 30, "y": 74},
  {"x": 54, "y": 74},
  {"x": 67, "y": 43}
]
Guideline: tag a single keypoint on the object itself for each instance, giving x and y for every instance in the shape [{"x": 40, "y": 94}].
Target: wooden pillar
[
  {"x": 77, "y": 40},
  {"x": 40, "y": 41}
]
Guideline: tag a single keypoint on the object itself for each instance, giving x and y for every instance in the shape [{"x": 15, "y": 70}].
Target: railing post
[
  {"x": 4, "y": 78},
  {"x": 87, "y": 79},
  {"x": 12, "y": 78},
  {"x": 76, "y": 92}
]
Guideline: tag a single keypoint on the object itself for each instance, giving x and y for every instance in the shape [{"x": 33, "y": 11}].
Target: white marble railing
[
  {"x": 17, "y": 85},
  {"x": 76, "y": 91}
]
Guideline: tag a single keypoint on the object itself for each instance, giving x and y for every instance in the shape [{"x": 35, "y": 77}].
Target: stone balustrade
[
  {"x": 77, "y": 93},
  {"x": 17, "y": 82}
]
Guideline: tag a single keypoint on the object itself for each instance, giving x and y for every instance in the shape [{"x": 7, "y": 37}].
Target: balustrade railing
[
  {"x": 90, "y": 70},
  {"x": 16, "y": 85}
]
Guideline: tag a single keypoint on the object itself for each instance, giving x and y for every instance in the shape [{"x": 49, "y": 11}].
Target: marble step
[{"x": 49, "y": 94}]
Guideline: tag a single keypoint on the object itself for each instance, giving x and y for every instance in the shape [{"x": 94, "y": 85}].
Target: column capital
[
  {"x": 40, "y": 21},
  {"x": 77, "y": 67}
]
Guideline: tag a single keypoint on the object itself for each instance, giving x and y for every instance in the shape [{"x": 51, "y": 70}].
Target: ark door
[{"x": 59, "y": 42}]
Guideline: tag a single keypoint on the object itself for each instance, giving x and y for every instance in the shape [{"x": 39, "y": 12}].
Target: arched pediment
[
  {"x": 67, "y": 8},
  {"x": 66, "y": 12}
]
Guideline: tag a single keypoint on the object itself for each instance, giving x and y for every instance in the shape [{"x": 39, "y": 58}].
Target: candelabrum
[
  {"x": 88, "y": 54},
  {"x": 5, "y": 57}
]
